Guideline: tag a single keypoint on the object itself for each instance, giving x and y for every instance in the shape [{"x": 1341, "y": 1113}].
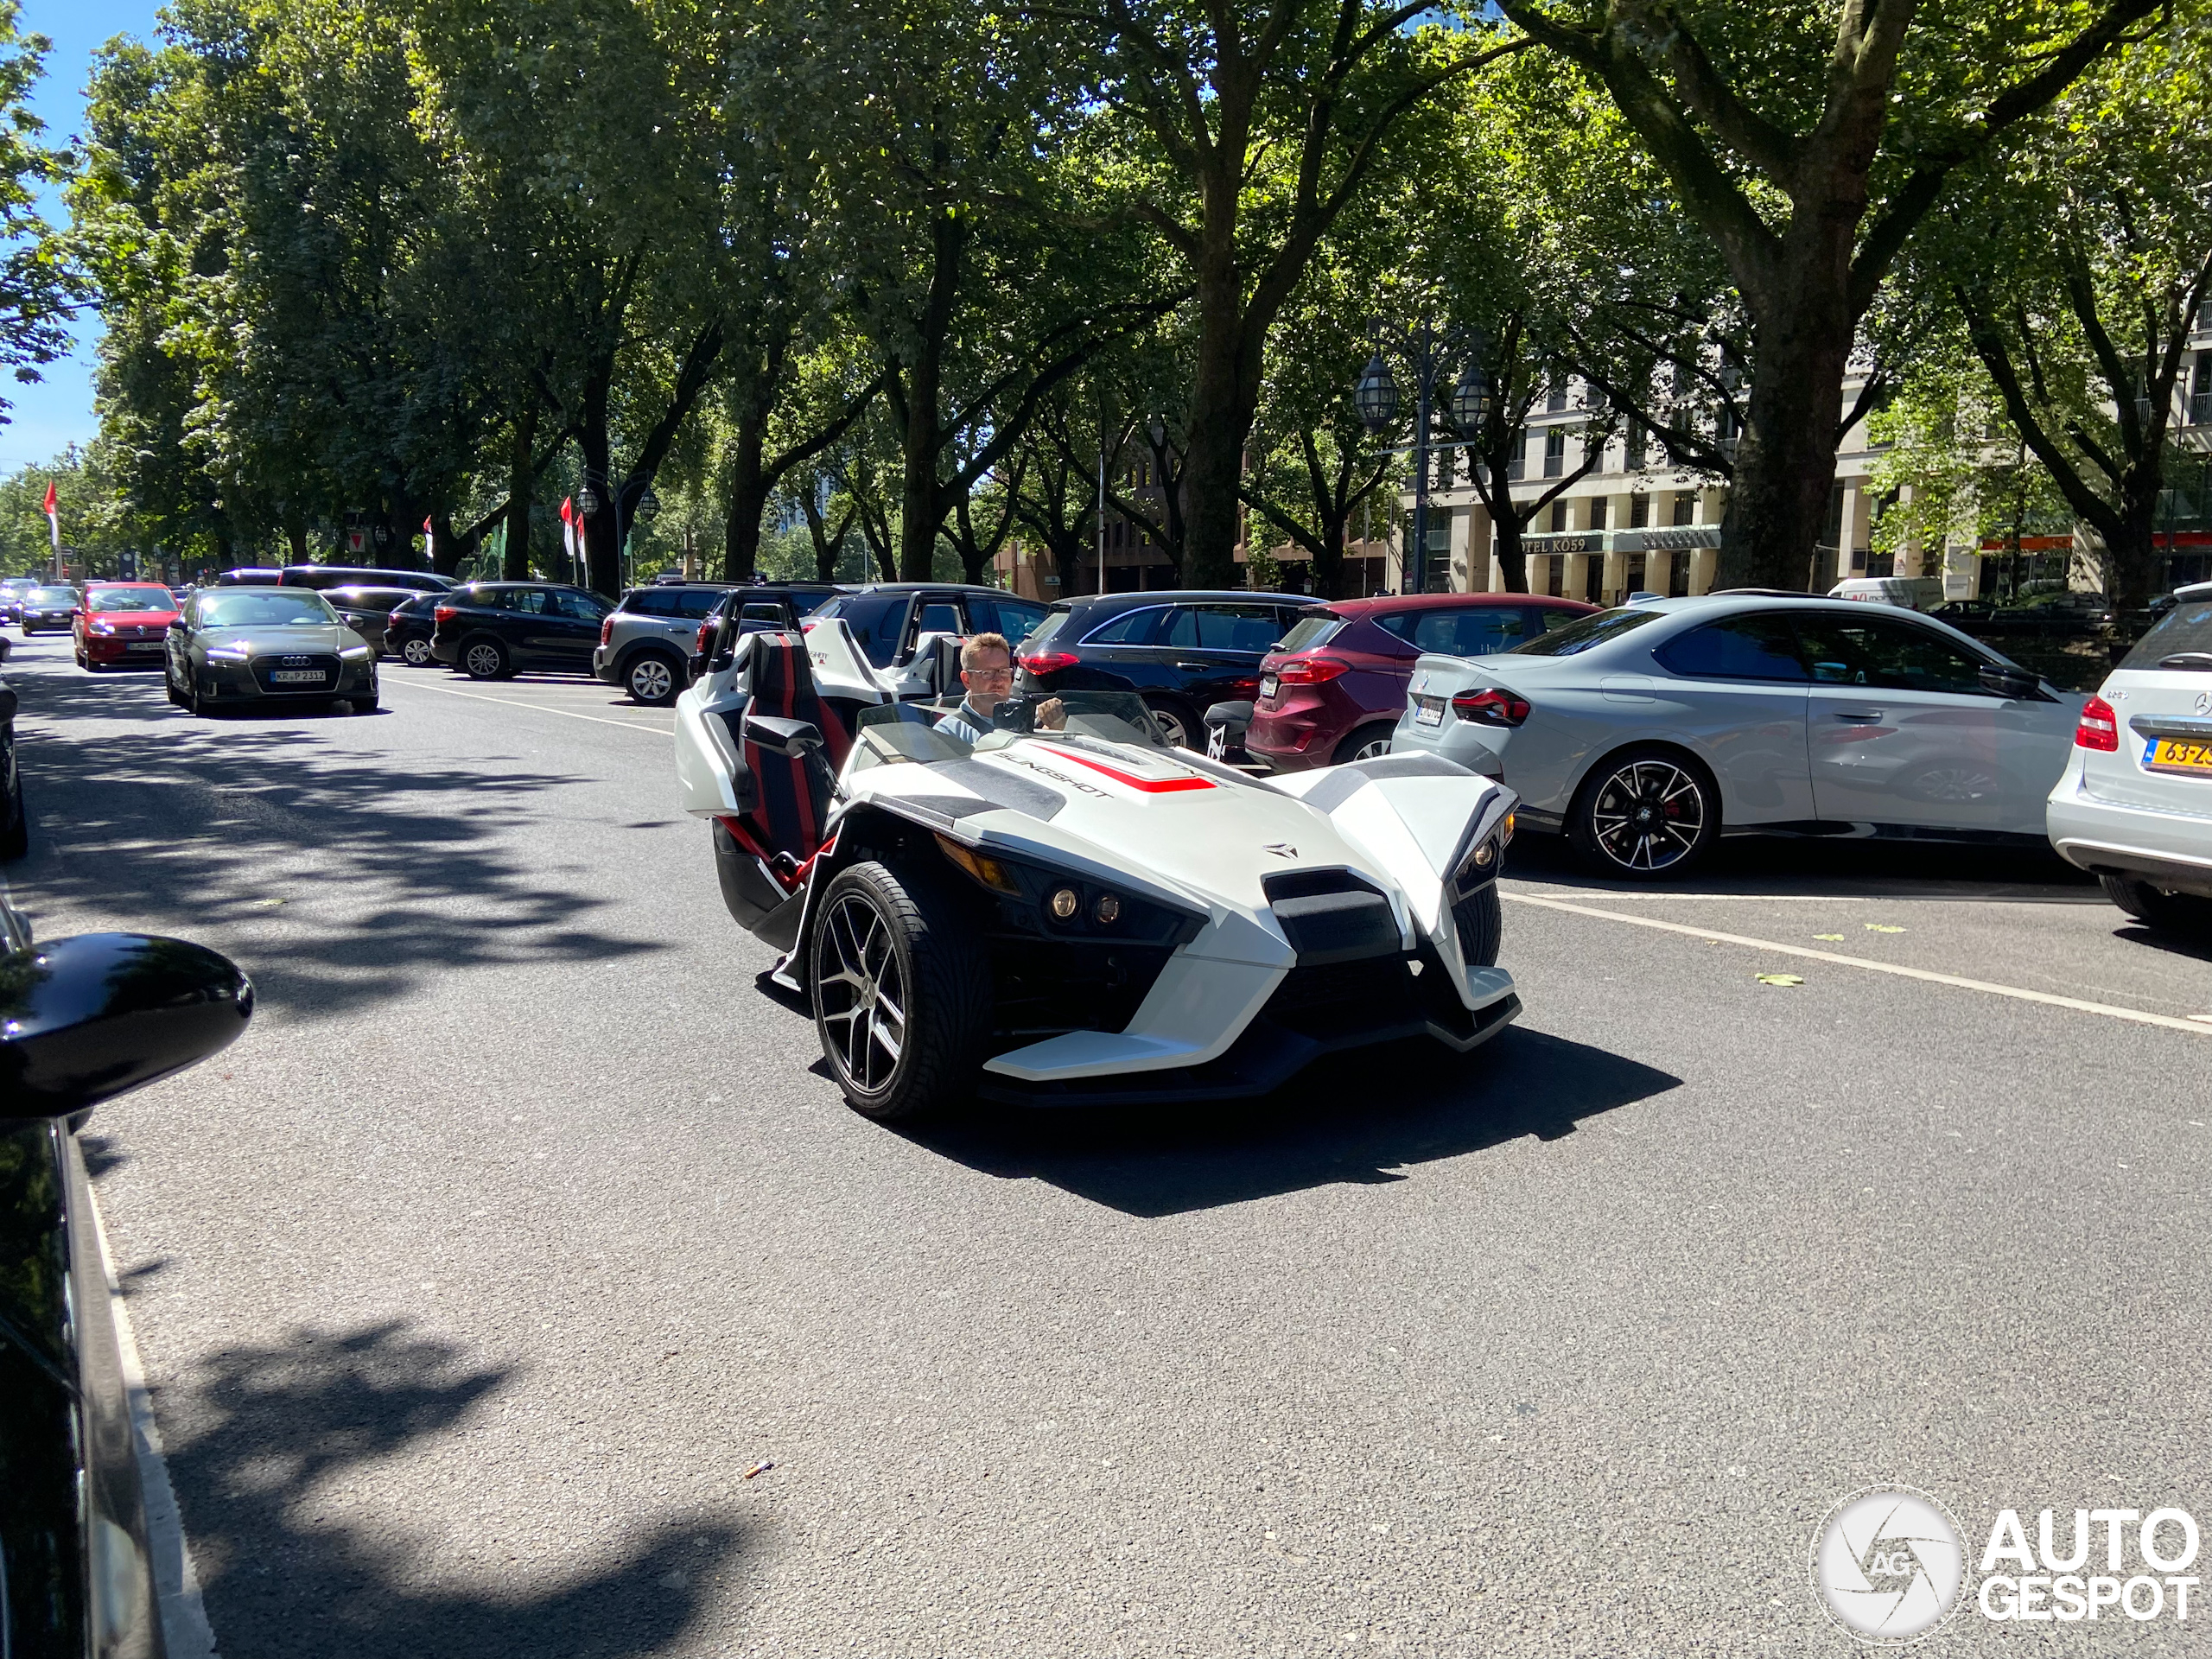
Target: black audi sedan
[
  {"x": 489, "y": 630},
  {"x": 1181, "y": 652},
  {"x": 81, "y": 1020}
]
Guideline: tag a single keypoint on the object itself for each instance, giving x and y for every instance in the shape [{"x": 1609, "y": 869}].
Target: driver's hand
[{"x": 1052, "y": 716}]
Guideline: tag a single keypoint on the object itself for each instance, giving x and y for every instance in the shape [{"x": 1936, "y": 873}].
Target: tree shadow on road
[
  {"x": 1357, "y": 1118},
  {"x": 267, "y": 1448},
  {"x": 195, "y": 827}
]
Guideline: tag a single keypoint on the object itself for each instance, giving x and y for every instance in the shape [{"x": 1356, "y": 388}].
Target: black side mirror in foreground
[
  {"x": 2010, "y": 682},
  {"x": 86, "y": 1019}
]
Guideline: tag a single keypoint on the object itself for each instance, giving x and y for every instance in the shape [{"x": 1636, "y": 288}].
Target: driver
[{"x": 986, "y": 670}]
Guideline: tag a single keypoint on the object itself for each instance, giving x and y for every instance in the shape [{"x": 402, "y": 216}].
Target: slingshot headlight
[{"x": 1064, "y": 902}]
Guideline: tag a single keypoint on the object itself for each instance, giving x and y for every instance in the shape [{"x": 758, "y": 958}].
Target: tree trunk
[
  {"x": 522, "y": 483},
  {"x": 1225, "y": 399},
  {"x": 921, "y": 508},
  {"x": 748, "y": 497},
  {"x": 1785, "y": 461},
  {"x": 296, "y": 534},
  {"x": 602, "y": 552},
  {"x": 1512, "y": 557},
  {"x": 446, "y": 548}
]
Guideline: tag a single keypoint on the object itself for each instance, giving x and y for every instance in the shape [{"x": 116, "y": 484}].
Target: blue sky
[{"x": 48, "y": 417}]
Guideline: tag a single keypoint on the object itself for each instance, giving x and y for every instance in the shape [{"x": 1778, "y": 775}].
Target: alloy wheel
[
  {"x": 863, "y": 1002},
  {"x": 1648, "y": 816},
  {"x": 649, "y": 680},
  {"x": 417, "y": 651},
  {"x": 1373, "y": 749},
  {"x": 483, "y": 661},
  {"x": 1172, "y": 726}
]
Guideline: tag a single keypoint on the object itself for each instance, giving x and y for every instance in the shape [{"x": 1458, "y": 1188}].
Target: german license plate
[
  {"x": 1269, "y": 684},
  {"x": 146, "y": 647},
  {"x": 2178, "y": 754},
  {"x": 295, "y": 676},
  {"x": 1429, "y": 711}
]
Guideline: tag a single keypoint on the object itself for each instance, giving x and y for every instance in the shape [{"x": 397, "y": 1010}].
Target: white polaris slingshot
[{"x": 1070, "y": 910}]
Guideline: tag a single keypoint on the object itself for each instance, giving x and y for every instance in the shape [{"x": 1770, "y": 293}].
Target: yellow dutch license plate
[{"x": 2178, "y": 754}]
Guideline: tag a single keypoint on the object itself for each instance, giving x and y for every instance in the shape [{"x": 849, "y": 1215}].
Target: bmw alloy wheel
[
  {"x": 484, "y": 660},
  {"x": 863, "y": 1000},
  {"x": 1648, "y": 816}
]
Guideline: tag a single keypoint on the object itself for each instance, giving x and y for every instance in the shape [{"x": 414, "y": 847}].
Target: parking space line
[
  {"x": 541, "y": 708},
  {"x": 2138, "y": 1016}
]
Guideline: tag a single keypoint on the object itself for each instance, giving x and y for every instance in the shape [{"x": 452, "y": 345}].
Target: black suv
[
  {"x": 490, "y": 629},
  {"x": 1181, "y": 653},
  {"x": 888, "y": 618}
]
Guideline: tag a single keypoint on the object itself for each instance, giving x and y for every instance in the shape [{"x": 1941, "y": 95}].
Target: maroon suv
[{"x": 1334, "y": 687}]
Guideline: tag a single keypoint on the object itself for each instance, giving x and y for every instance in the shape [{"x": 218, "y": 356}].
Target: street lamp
[
  {"x": 1470, "y": 400},
  {"x": 1376, "y": 397}
]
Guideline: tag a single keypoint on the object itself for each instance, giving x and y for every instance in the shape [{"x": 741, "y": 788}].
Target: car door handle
[
  {"x": 1858, "y": 716},
  {"x": 1194, "y": 668}
]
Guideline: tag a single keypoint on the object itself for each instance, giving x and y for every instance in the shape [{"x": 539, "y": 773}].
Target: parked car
[
  {"x": 646, "y": 642},
  {"x": 407, "y": 629},
  {"x": 12, "y": 592},
  {"x": 82, "y": 1021},
  {"x": 490, "y": 629},
  {"x": 1965, "y": 612},
  {"x": 324, "y": 577},
  {"x": 123, "y": 625},
  {"x": 1333, "y": 689},
  {"x": 15, "y": 818},
  {"x": 1644, "y": 732},
  {"x": 251, "y": 576},
  {"x": 1911, "y": 593},
  {"x": 50, "y": 607},
  {"x": 1182, "y": 653},
  {"x": 2133, "y": 806},
  {"x": 887, "y": 619},
  {"x": 366, "y": 609},
  {"x": 261, "y": 647},
  {"x": 2058, "y": 614}
]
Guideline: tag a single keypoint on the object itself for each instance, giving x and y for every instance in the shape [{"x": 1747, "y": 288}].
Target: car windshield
[
  {"x": 264, "y": 610},
  {"x": 129, "y": 599},
  {"x": 2185, "y": 630},
  {"x": 52, "y": 596},
  {"x": 1309, "y": 631},
  {"x": 914, "y": 731},
  {"x": 1580, "y": 635}
]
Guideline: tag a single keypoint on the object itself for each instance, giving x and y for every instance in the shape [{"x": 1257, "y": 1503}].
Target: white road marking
[
  {"x": 1748, "y": 898},
  {"x": 185, "y": 1631},
  {"x": 541, "y": 708},
  {"x": 2138, "y": 1016}
]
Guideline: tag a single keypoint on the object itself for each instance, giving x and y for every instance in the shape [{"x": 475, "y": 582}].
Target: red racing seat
[{"x": 792, "y": 791}]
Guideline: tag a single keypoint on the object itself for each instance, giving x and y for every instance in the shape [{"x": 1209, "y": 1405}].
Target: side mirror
[
  {"x": 777, "y": 736},
  {"x": 86, "y": 1018},
  {"x": 2016, "y": 683}
]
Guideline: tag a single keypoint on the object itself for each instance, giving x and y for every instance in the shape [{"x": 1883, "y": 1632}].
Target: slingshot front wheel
[{"x": 902, "y": 996}]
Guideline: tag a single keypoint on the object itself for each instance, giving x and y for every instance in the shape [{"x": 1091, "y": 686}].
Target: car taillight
[
  {"x": 2100, "y": 727},
  {"x": 1048, "y": 662},
  {"x": 699, "y": 646},
  {"x": 442, "y": 615},
  {"x": 1490, "y": 707},
  {"x": 1310, "y": 670},
  {"x": 607, "y": 629},
  {"x": 395, "y": 619}
]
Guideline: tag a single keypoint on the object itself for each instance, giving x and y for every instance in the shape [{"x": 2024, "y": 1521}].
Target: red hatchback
[
  {"x": 1333, "y": 689},
  {"x": 124, "y": 625}
]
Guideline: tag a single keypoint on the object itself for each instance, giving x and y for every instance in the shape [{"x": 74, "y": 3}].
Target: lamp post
[{"x": 1375, "y": 397}]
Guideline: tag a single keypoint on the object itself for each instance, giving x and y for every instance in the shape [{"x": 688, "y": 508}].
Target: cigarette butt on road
[
  {"x": 760, "y": 1468},
  {"x": 1882, "y": 927},
  {"x": 1780, "y": 979}
]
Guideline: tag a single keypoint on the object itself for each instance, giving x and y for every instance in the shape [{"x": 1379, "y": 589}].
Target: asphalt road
[{"x": 520, "y": 1227}]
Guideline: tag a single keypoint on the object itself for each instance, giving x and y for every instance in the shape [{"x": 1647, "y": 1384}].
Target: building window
[
  {"x": 1639, "y": 511},
  {"x": 1556, "y": 398},
  {"x": 1686, "y": 507},
  {"x": 2200, "y": 391},
  {"x": 1555, "y": 452},
  {"x": 1634, "y": 446},
  {"x": 1559, "y": 517},
  {"x": 1835, "y": 517},
  {"x": 1598, "y": 504},
  {"x": 1517, "y": 464}
]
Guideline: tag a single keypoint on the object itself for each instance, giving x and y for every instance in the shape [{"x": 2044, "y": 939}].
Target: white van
[{"x": 1913, "y": 593}]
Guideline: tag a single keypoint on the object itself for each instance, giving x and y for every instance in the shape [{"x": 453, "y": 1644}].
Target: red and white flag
[
  {"x": 52, "y": 511},
  {"x": 568, "y": 527}
]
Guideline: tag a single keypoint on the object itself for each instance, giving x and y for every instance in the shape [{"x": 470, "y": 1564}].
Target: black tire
[
  {"x": 416, "y": 653},
  {"x": 653, "y": 678},
  {"x": 881, "y": 936},
  {"x": 1362, "y": 745},
  {"x": 169, "y": 684},
  {"x": 2168, "y": 913},
  {"x": 1481, "y": 915},
  {"x": 15, "y": 836},
  {"x": 483, "y": 657},
  {"x": 1183, "y": 728},
  {"x": 1645, "y": 814}
]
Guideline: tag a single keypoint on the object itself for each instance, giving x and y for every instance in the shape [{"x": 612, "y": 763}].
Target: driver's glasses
[{"x": 990, "y": 676}]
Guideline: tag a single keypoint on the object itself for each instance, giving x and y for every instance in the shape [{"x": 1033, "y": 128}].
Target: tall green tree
[
  {"x": 1808, "y": 143},
  {"x": 40, "y": 286}
]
